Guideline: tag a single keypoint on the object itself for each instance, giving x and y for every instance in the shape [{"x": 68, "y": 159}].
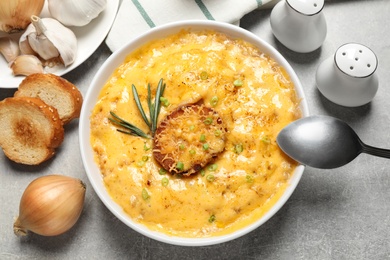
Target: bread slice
[
  {"x": 54, "y": 91},
  {"x": 30, "y": 130},
  {"x": 188, "y": 139}
]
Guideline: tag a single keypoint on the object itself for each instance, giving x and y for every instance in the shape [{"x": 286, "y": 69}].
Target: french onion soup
[{"x": 184, "y": 133}]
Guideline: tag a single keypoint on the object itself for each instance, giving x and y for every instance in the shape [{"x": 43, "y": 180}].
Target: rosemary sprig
[
  {"x": 149, "y": 99},
  {"x": 157, "y": 105},
  {"x": 154, "y": 111},
  {"x": 132, "y": 129},
  {"x": 154, "y": 108},
  {"x": 139, "y": 105}
]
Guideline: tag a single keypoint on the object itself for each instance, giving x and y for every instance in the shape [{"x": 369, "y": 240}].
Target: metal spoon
[{"x": 324, "y": 142}]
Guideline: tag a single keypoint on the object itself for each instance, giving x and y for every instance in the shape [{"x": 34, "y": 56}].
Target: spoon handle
[{"x": 385, "y": 153}]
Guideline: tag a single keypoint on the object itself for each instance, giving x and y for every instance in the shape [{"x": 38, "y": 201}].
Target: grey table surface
[{"x": 342, "y": 213}]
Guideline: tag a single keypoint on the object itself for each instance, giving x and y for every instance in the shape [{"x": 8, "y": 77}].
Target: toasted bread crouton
[
  {"x": 54, "y": 91},
  {"x": 30, "y": 130},
  {"x": 188, "y": 139}
]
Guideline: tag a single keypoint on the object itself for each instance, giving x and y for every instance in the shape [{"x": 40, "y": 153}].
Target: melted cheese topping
[
  {"x": 191, "y": 136},
  {"x": 245, "y": 180}
]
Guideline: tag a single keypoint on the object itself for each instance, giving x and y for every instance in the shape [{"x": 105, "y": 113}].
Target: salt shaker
[
  {"x": 348, "y": 78},
  {"x": 299, "y": 25}
]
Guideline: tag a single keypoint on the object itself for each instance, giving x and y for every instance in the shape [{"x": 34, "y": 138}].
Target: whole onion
[
  {"x": 50, "y": 205},
  {"x": 15, "y": 14}
]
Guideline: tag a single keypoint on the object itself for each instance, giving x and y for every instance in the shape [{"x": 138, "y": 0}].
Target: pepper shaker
[
  {"x": 299, "y": 25},
  {"x": 348, "y": 78}
]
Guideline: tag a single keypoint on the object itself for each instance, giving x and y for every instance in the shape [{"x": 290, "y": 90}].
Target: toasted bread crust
[
  {"x": 54, "y": 91},
  {"x": 30, "y": 130},
  {"x": 177, "y": 140}
]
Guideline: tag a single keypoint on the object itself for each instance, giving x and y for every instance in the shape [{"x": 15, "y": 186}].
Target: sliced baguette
[
  {"x": 30, "y": 130},
  {"x": 174, "y": 141},
  {"x": 54, "y": 91}
]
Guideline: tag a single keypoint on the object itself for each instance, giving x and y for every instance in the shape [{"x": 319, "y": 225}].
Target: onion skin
[
  {"x": 50, "y": 205},
  {"x": 15, "y": 14}
]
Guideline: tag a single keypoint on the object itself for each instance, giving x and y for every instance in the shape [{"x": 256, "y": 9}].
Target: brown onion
[
  {"x": 15, "y": 14},
  {"x": 50, "y": 205}
]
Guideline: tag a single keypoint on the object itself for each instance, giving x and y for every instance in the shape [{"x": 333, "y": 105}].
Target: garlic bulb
[
  {"x": 50, "y": 205},
  {"x": 15, "y": 14},
  {"x": 26, "y": 65},
  {"x": 9, "y": 48},
  {"x": 76, "y": 12},
  {"x": 49, "y": 39}
]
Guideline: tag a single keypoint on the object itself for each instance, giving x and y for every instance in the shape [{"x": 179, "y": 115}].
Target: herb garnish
[
  {"x": 154, "y": 110},
  {"x": 131, "y": 129}
]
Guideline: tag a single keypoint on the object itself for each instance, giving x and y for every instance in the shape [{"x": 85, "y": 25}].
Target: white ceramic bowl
[{"x": 105, "y": 72}]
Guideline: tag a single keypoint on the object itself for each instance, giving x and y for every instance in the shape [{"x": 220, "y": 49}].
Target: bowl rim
[{"x": 106, "y": 70}]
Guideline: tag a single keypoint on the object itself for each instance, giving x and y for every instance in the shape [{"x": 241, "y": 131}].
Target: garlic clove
[
  {"x": 76, "y": 12},
  {"x": 15, "y": 14},
  {"x": 25, "y": 48},
  {"x": 49, "y": 39},
  {"x": 25, "y": 65},
  {"x": 50, "y": 205},
  {"x": 9, "y": 48}
]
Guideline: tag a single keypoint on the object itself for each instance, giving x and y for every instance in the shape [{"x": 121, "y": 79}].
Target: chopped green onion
[
  {"x": 202, "y": 138},
  {"x": 204, "y": 75},
  {"x": 212, "y": 218},
  {"x": 249, "y": 178},
  {"x": 145, "y": 194},
  {"x": 192, "y": 127},
  {"x": 217, "y": 133},
  {"x": 145, "y": 158},
  {"x": 162, "y": 171},
  {"x": 238, "y": 148},
  {"x": 181, "y": 146},
  {"x": 208, "y": 121},
  {"x": 164, "y": 181},
  {"x": 214, "y": 101},
  {"x": 165, "y": 101},
  {"x": 212, "y": 167},
  {"x": 206, "y": 146},
  {"x": 192, "y": 152},
  {"x": 146, "y": 147},
  {"x": 238, "y": 83},
  {"x": 202, "y": 172},
  {"x": 180, "y": 166},
  {"x": 210, "y": 177},
  {"x": 266, "y": 140},
  {"x": 140, "y": 163}
]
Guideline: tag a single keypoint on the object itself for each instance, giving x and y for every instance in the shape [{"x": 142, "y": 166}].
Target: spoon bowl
[{"x": 324, "y": 142}]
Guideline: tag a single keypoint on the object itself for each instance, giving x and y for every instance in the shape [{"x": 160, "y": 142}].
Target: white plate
[{"x": 89, "y": 37}]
